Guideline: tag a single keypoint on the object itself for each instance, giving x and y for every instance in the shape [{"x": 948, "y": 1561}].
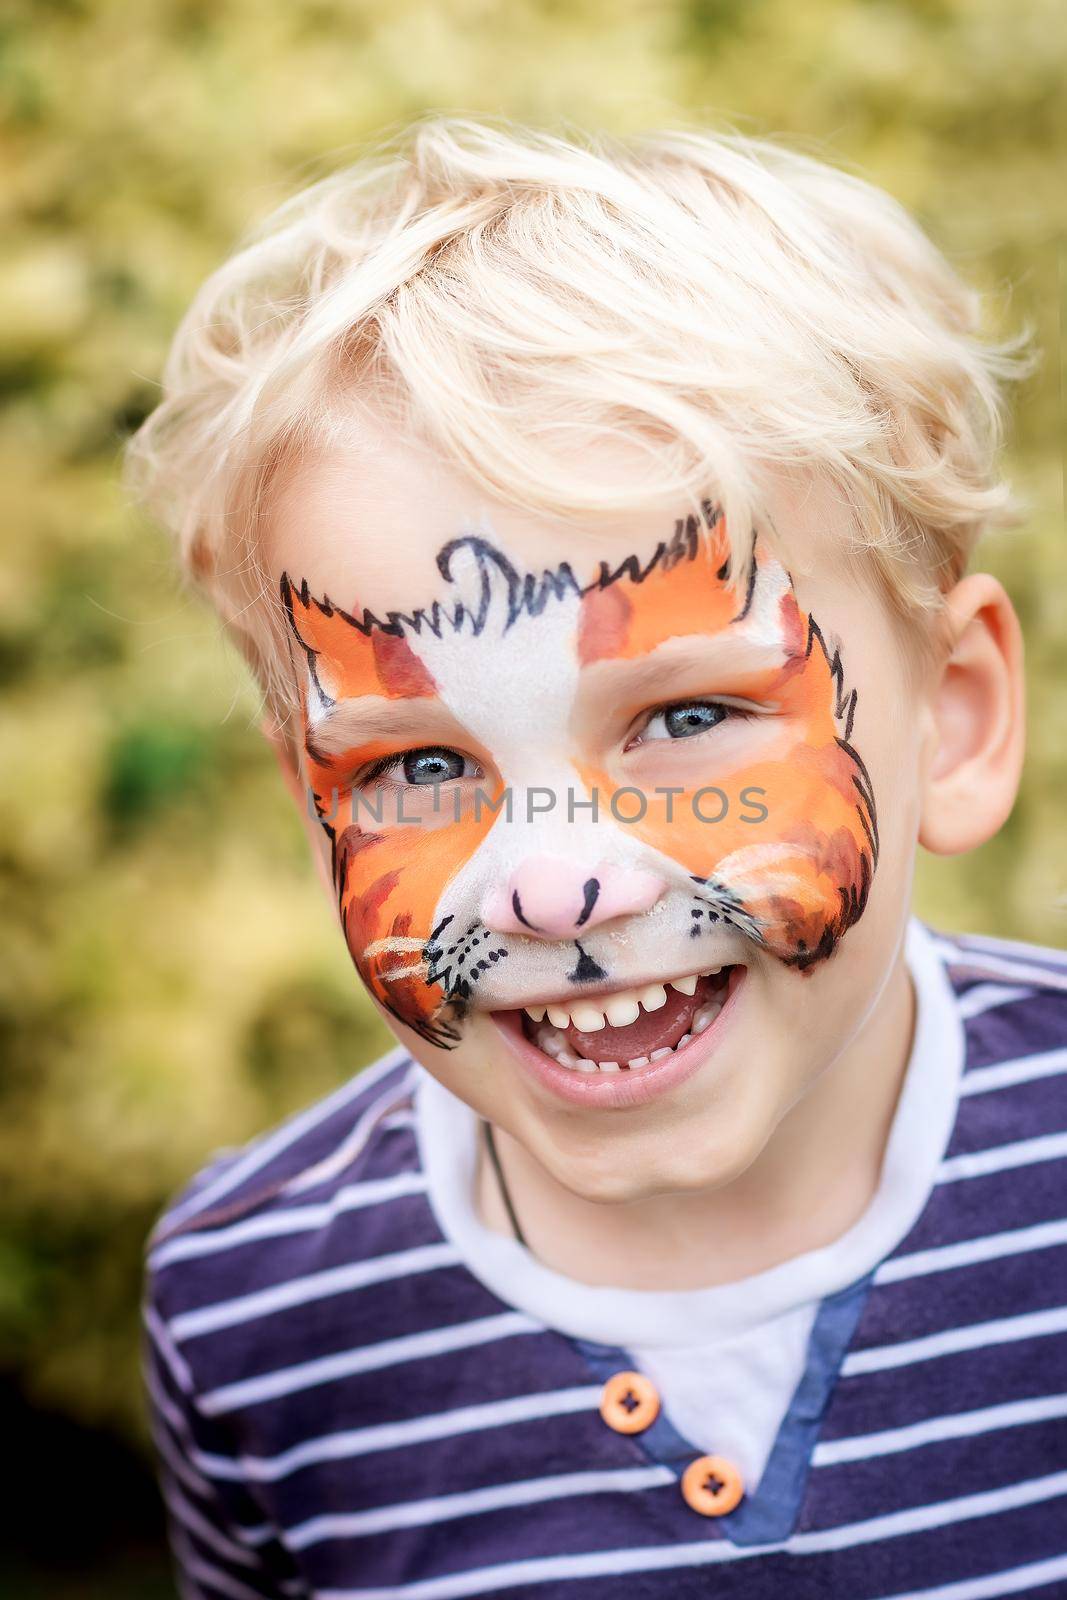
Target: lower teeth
[{"x": 551, "y": 1041}]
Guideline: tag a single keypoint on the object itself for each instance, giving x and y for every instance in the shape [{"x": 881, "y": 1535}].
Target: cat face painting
[{"x": 544, "y": 783}]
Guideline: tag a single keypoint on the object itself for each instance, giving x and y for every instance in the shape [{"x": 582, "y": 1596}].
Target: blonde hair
[{"x": 730, "y": 303}]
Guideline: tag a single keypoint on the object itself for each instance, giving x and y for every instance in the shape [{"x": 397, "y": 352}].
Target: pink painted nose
[{"x": 554, "y": 899}]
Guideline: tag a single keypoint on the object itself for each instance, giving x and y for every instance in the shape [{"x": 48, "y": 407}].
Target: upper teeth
[{"x": 616, "y": 1010}]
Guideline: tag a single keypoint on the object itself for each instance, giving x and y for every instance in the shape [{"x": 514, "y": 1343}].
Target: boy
[{"x": 596, "y": 520}]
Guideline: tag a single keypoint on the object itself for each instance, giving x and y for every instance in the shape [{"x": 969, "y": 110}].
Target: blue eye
[
  {"x": 423, "y": 767},
  {"x": 685, "y": 719},
  {"x": 432, "y": 766}
]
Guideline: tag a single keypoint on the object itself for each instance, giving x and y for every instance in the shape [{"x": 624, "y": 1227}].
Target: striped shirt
[{"x": 343, "y": 1408}]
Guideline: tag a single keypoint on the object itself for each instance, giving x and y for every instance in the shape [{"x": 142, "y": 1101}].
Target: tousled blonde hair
[{"x": 730, "y": 303}]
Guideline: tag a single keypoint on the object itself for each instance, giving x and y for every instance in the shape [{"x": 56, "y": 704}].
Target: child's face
[{"x": 579, "y": 770}]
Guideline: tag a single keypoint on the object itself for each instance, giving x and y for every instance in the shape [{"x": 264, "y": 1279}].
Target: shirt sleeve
[{"x": 216, "y": 1556}]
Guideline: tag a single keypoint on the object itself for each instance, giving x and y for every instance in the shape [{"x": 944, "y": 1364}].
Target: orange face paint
[
  {"x": 801, "y": 889},
  {"x": 501, "y": 664},
  {"x": 388, "y": 879}
]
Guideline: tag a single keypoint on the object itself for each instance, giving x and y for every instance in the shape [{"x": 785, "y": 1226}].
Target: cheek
[
  {"x": 389, "y": 886},
  {"x": 789, "y": 841}
]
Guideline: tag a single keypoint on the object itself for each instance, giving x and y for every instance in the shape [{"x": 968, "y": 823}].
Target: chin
[{"x": 707, "y": 1151}]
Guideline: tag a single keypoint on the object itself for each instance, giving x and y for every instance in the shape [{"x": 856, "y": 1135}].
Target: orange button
[
  {"x": 712, "y": 1485},
  {"x": 629, "y": 1403}
]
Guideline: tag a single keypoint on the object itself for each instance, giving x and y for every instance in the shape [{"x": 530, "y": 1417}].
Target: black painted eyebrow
[{"x": 503, "y": 586}]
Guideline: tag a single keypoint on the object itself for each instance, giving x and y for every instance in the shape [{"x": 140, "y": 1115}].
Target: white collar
[{"x": 447, "y": 1133}]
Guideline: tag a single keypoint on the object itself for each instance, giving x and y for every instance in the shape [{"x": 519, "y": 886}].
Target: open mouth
[{"x": 629, "y": 1029}]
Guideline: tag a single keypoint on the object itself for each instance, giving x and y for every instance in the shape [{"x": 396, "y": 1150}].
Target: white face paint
[{"x": 583, "y": 828}]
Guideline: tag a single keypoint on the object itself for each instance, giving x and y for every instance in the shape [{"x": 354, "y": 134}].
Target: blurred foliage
[{"x": 173, "y": 981}]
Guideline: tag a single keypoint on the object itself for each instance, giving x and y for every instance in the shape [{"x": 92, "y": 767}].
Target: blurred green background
[{"x": 172, "y": 981}]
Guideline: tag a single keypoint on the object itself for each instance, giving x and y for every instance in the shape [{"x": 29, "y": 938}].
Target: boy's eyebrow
[
  {"x": 352, "y": 722},
  {"x": 734, "y": 654}
]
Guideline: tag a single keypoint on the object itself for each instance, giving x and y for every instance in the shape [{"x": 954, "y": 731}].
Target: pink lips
[{"x": 617, "y": 1090}]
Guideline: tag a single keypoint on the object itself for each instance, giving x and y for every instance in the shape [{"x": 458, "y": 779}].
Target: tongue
[{"x": 653, "y": 1030}]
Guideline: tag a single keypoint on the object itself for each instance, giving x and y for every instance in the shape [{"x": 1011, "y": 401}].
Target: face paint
[
  {"x": 461, "y": 904},
  {"x": 800, "y": 884}
]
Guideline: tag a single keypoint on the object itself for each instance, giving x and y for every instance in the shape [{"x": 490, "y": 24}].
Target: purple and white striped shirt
[{"x": 342, "y": 1408}]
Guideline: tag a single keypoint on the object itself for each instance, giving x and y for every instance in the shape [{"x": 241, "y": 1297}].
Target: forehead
[{"x": 363, "y": 523}]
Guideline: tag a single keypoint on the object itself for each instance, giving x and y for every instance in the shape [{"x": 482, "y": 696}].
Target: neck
[{"x": 780, "y": 1207}]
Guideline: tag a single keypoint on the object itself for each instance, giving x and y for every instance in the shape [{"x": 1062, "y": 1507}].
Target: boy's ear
[
  {"x": 282, "y": 742},
  {"x": 281, "y": 735},
  {"x": 976, "y": 706}
]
